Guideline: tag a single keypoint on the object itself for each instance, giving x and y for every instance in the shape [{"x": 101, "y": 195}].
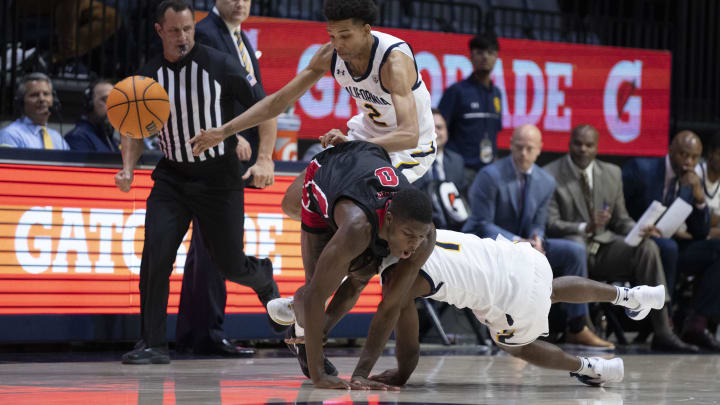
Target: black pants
[
  {"x": 220, "y": 215},
  {"x": 202, "y": 298}
]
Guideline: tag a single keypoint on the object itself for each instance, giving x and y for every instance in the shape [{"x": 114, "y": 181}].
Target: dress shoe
[
  {"x": 589, "y": 340},
  {"x": 142, "y": 354},
  {"x": 225, "y": 348},
  {"x": 704, "y": 339},
  {"x": 269, "y": 293},
  {"x": 672, "y": 344}
]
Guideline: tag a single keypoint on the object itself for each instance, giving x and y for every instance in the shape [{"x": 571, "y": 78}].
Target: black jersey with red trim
[{"x": 358, "y": 171}]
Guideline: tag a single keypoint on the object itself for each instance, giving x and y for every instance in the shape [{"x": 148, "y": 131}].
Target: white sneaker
[
  {"x": 647, "y": 298},
  {"x": 600, "y": 371},
  {"x": 281, "y": 310}
]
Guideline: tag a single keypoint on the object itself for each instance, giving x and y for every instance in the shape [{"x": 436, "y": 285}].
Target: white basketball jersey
[
  {"x": 376, "y": 115},
  {"x": 470, "y": 272}
]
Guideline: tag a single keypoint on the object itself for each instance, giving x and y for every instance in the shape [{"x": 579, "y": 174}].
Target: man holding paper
[
  {"x": 588, "y": 206},
  {"x": 666, "y": 180}
]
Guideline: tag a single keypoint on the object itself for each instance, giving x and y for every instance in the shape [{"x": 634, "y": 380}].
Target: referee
[{"x": 203, "y": 84}]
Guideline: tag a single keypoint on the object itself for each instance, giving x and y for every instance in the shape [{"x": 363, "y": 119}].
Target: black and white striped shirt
[{"x": 203, "y": 88}]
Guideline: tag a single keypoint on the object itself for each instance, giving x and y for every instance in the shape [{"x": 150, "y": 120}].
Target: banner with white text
[
  {"x": 623, "y": 92},
  {"x": 71, "y": 243}
]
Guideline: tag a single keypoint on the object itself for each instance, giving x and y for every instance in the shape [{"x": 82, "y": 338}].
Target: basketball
[{"x": 138, "y": 107}]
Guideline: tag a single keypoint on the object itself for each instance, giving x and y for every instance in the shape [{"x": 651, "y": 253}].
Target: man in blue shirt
[
  {"x": 34, "y": 99},
  {"x": 93, "y": 132},
  {"x": 472, "y": 109}
]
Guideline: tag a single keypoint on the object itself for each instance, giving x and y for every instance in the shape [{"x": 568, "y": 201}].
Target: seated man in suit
[
  {"x": 709, "y": 171},
  {"x": 445, "y": 181},
  {"x": 93, "y": 132},
  {"x": 589, "y": 207},
  {"x": 204, "y": 295},
  {"x": 511, "y": 197},
  {"x": 665, "y": 179}
]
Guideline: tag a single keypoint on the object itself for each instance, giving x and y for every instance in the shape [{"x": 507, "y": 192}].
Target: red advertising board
[
  {"x": 623, "y": 92},
  {"x": 70, "y": 243}
]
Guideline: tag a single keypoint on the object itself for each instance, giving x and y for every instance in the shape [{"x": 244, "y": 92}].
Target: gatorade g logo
[{"x": 622, "y": 106}]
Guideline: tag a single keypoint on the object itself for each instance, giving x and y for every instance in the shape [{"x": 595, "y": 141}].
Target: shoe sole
[
  {"x": 272, "y": 312},
  {"x": 658, "y": 304},
  {"x": 146, "y": 361}
]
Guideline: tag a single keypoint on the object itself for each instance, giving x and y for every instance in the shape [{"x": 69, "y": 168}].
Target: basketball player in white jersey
[
  {"x": 379, "y": 72},
  {"x": 510, "y": 287}
]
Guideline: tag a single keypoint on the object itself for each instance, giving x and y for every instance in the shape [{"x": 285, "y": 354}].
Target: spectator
[
  {"x": 472, "y": 109},
  {"x": 589, "y": 207},
  {"x": 510, "y": 197},
  {"x": 93, "y": 132},
  {"x": 80, "y": 25},
  {"x": 665, "y": 179},
  {"x": 204, "y": 295},
  {"x": 35, "y": 101},
  {"x": 444, "y": 181},
  {"x": 709, "y": 171}
]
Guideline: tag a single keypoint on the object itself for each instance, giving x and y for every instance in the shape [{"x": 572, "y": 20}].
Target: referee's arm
[{"x": 248, "y": 94}]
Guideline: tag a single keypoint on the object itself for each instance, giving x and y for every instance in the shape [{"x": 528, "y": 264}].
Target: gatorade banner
[
  {"x": 71, "y": 243},
  {"x": 623, "y": 92}
]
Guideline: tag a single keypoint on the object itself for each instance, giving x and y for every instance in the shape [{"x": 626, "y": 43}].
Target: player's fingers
[{"x": 247, "y": 174}]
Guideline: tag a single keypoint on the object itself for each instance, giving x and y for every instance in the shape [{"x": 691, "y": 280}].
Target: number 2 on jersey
[{"x": 373, "y": 113}]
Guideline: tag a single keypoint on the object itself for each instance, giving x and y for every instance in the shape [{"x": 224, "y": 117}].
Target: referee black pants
[{"x": 220, "y": 214}]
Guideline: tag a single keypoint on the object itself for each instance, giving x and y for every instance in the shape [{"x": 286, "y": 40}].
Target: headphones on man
[{"x": 19, "y": 98}]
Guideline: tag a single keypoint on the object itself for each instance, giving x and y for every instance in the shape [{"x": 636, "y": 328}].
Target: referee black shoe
[
  {"x": 142, "y": 354},
  {"x": 299, "y": 351}
]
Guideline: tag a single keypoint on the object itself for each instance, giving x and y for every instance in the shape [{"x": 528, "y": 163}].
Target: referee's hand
[
  {"x": 123, "y": 180},
  {"x": 263, "y": 172},
  {"x": 206, "y": 140}
]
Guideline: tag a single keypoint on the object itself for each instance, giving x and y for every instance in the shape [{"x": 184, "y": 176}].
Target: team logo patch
[
  {"x": 251, "y": 79},
  {"x": 505, "y": 334},
  {"x": 496, "y": 101},
  {"x": 375, "y": 78}
]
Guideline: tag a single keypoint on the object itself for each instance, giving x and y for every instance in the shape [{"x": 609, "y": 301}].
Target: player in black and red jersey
[{"x": 357, "y": 209}]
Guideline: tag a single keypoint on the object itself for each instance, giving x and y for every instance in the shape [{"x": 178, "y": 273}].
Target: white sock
[
  {"x": 299, "y": 330},
  {"x": 625, "y": 298}
]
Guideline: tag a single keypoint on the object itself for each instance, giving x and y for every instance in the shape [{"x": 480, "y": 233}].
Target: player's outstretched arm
[
  {"x": 131, "y": 150},
  {"x": 270, "y": 106},
  {"x": 398, "y": 77},
  {"x": 349, "y": 241},
  {"x": 395, "y": 293}
]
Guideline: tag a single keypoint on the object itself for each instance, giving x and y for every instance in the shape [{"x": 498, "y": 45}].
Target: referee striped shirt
[{"x": 203, "y": 88}]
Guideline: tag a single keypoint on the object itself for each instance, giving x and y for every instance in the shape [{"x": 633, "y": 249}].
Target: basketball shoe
[
  {"x": 281, "y": 310},
  {"x": 301, "y": 354},
  {"x": 597, "y": 371},
  {"x": 638, "y": 301}
]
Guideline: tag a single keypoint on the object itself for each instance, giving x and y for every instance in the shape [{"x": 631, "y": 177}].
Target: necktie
[
  {"x": 670, "y": 192},
  {"x": 436, "y": 171},
  {"x": 587, "y": 194},
  {"x": 47, "y": 141},
  {"x": 244, "y": 56},
  {"x": 523, "y": 199}
]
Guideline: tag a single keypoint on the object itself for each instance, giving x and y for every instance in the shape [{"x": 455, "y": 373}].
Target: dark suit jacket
[
  {"x": 644, "y": 181},
  {"x": 568, "y": 209},
  {"x": 453, "y": 167},
  {"x": 494, "y": 202},
  {"x": 213, "y": 32}
]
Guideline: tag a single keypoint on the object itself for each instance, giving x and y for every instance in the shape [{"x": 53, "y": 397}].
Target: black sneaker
[
  {"x": 299, "y": 351},
  {"x": 268, "y": 294},
  {"x": 142, "y": 354}
]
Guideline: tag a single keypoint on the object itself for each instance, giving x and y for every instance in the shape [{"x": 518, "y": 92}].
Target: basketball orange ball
[{"x": 138, "y": 107}]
